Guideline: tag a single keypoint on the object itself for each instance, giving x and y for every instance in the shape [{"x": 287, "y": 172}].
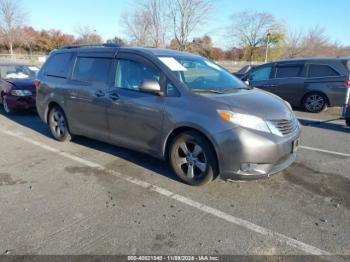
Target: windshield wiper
[
  {"x": 229, "y": 90},
  {"x": 206, "y": 91}
]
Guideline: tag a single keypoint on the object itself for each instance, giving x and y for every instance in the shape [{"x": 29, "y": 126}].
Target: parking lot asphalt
[{"x": 87, "y": 197}]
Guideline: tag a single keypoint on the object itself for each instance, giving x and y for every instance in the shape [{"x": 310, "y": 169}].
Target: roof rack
[{"x": 89, "y": 45}]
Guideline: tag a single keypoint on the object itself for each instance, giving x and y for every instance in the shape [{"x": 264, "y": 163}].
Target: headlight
[
  {"x": 248, "y": 121},
  {"x": 21, "y": 93}
]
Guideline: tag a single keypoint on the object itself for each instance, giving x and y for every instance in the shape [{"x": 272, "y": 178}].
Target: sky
[{"x": 104, "y": 16}]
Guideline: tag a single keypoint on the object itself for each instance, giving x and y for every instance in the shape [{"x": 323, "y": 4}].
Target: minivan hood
[{"x": 255, "y": 102}]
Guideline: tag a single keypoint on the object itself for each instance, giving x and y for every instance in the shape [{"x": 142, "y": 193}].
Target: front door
[
  {"x": 135, "y": 118},
  {"x": 261, "y": 78},
  {"x": 290, "y": 82}
]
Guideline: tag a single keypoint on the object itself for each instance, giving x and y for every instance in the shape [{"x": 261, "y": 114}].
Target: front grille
[{"x": 283, "y": 126}]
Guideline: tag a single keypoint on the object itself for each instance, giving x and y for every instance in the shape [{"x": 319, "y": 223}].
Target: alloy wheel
[
  {"x": 315, "y": 103},
  {"x": 191, "y": 159},
  {"x": 58, "y": 124}
]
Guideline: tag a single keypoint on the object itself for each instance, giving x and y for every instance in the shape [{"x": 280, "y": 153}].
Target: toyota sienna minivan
[{"x": 171, "y": 105}]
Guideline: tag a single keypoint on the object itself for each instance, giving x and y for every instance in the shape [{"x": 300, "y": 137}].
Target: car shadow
[
  {"x": 32, "y": 121},
  {"x": 325, "y": 125}
]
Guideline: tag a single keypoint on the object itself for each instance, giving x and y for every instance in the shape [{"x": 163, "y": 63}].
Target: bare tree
[
  {"x": 186, "y": 16},
  {"x": 136, "y": 26},
  {"x": 294, "y": 43},
  {"x": 146, "y": 26},
  {"x": 11, "y": 20},
  {"x": 314, "y": 42},
  {"x": 249, "y": 29},
  {"x": 87, "y": 35},
  {"x": 155, "y": 10}
]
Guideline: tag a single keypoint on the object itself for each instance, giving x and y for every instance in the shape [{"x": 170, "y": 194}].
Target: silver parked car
[{"x": 171, "y": 105}]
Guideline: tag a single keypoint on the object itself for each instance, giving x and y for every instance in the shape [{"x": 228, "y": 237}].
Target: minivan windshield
[
  {"x": 203, "y": 76},
  {"x": 18, "y": 71}
]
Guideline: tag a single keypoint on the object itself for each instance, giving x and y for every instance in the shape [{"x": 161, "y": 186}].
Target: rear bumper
[
  {"x": 21, "y": 103},
  {"x": 246, "y": 154}
]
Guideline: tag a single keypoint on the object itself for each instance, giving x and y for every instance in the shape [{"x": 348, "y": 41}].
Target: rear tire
[
  {"x": 58, "y": 125},
  {"x": 347, "y": 121},
  {"x": 192, "y": 158},
  {"x": 315, "y": 102}
]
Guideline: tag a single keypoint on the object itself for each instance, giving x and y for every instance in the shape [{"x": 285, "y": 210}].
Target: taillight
[
  {"x": 347, "y": 83},
  {"x": 37, "y": 84}
]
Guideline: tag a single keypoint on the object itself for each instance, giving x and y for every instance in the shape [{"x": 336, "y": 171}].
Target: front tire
[
  {"x": 6, "y": 108},
  {"x": 58, "y": 125},
  {"x": 315, "y": 102},
  {"x": 193, "y": 159}
]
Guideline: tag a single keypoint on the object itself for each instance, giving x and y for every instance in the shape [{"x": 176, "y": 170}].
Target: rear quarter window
[
  {"x": 58, "y": 65},
  {"x": 321, "y": 71}
]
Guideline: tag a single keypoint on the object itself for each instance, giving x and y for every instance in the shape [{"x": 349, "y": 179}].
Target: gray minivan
[{"x": 172, "y": 105}]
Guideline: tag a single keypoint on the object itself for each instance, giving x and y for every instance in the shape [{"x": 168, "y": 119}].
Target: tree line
[{"x": 174, "y": 24}]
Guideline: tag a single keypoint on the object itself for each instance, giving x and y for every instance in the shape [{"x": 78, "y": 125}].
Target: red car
[{"x": 17, "y": 88}]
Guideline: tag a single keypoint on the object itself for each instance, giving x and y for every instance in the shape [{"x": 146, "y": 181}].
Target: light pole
[{"x": 267, "y": 45}]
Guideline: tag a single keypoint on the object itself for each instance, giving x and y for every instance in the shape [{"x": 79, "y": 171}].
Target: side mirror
[
  {"x": 151, "y": 86},
  {"x": 246, "y": 79}
]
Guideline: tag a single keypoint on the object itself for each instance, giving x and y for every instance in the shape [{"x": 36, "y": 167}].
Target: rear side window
[
  {"x": 95, "y": 70},
  {"x": 289, "y": 71},
  {"x": 321, "y": 71},
  {"x": 58, "y": 65}
]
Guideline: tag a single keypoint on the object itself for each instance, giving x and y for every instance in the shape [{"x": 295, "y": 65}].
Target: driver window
[
  {"x": 131, "y": 74},
  {"x": 261, "y": 74}
]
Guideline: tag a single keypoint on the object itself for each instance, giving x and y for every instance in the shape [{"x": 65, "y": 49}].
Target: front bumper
[
  {"x": 21, "y": 102},
  {"x": 266, "y": 154}
]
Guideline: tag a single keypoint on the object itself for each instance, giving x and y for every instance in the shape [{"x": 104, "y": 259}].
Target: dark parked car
[
  {"x": 17, "y": 86},
  {"x": 313, "y": 83},
  {"x": 171, "y": 105}
]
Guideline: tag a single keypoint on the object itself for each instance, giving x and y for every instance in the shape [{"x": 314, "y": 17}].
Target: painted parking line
[
  {"x": 309, "y": 249},
  {"x": 324, "y": 151}
]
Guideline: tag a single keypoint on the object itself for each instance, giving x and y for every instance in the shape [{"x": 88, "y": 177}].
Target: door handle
[
  {"x": 99, "y": 93},
  {"x": 114, "y": 97}
]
